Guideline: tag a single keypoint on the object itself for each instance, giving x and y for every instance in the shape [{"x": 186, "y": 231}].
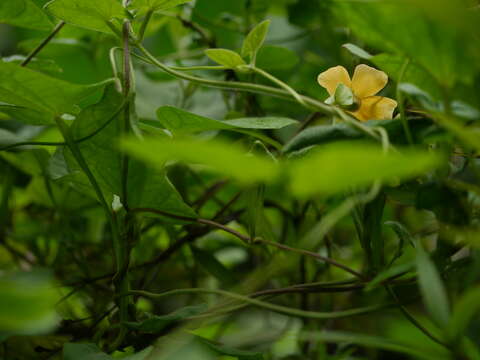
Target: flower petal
[
  {"x": 368, "y": 81},
  {"x": 375, "y": 108},
  {"x": 334, "y": 76}
]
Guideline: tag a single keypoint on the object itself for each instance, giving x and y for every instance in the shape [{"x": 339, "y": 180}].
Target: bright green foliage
[
  {"x": 225, "y": 57},
  {"x": 46, "y": 97},
  {"x": 227, "y": 159},
  {"x": 254, "y": 40},
  {"x": 24, "y": 13},
  {"x": 89, "y": 14},
  {"x": 346, "y": 166},
  {"x": 27, "y": 303}
]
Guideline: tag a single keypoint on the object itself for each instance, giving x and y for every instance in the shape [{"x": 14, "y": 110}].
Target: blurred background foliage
[{"x": 414, "y": 241}]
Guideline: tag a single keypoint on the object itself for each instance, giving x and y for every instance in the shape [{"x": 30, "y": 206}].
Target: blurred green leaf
[
  {"x": 335, "y": 168},
  {"x": 444, "y": 52},
  {"x": 465, "y": 311},
  {"x": 89, "y": 14},
  {"x": 357, "y": 51},
  {"x": 432, "y": 289},
  {"x": 24, "y": 13},
  {"x": 224, "y": 158},
  {"x": 210, "y": 263},
  {"x": 370, "y": 341},
  {"x": 225, "y": 57},
  {"x": 254, "y": 40},
  {"x": 231, "y": 352},
  {"x": 45, "y": 96},
  {"x": 272, "y": 57},
  {"x": 27, "y": 303}
]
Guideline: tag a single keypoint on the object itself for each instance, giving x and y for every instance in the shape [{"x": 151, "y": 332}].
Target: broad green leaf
[
  {"x": 157, "y": 323},
  {"x": 147, "y": 187},
  {"x": 404, "y": 29},
  {"x": 272, "y": 57},
  {"x": 89, "y": 14},
  {"x": 27, "y": 303},
  {"x": 39, "y": 97},
  {"x": 224, "y": 158},
  {"x": 225, "y": 57},
  {"x": 255, "y": 39},
  {"x": 339, "y": 167},
  {"x": 432, "y": 289},
  {"x": 179, "y": 121},
  {"x": 156, "y": 5},
  {"x": 24, "y": 13}
]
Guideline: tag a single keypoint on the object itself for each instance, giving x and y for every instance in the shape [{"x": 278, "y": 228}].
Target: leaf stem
[{"x": 401, "y": 105}]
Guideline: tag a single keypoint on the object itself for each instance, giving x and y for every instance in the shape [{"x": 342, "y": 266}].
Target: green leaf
[
  {"x": 83, "y": 352},
  {"x": 358, "y": 51},
  {"x": 378, "y": 342},
  {"x": 224, "y": 158},
  {"x": 27, "y": 303},
  {"x": 321, "y": 134},
  {"x": 225, "y": 57},
  {"x": 432, "y": 289},
  {"x": 147, "y": 187},
  {"x": 464, "y": 312},
  {"x": 157, "y": 323},
  {"x": 89, "y": 14},
  {"x": 446, "y": 53},
  {"x": 156, "y": 5},
  {"x": 336, "y": 168},
  {"x": 24, "y": 13},
  {"x": 255, "y": 39},
  {"x": 210, "y": 263},
  {"x": 39, "y": 96},
  {"x": 272, "y": 57},
  {"x": 179, "y": 121},
  {"x": 231, "y": 352}
]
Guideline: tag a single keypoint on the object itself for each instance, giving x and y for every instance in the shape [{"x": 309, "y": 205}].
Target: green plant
[{"x": 154, "y": 205}]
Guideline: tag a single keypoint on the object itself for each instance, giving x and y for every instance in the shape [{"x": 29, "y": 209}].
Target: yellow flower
[{"x": 366, "y": 83}]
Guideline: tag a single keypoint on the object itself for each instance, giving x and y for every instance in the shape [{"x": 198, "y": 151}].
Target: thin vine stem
[
  {"x": 44, "y": 43},
  {"x": 266, "y": 305}
]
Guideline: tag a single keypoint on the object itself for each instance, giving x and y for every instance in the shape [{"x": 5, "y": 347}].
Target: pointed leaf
[
  {"x": 255, "y": 39},
  {"x": 156, "y": 5},
  {"x": 225, "y": 57},
  {"x": 432, "y": 289}
]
